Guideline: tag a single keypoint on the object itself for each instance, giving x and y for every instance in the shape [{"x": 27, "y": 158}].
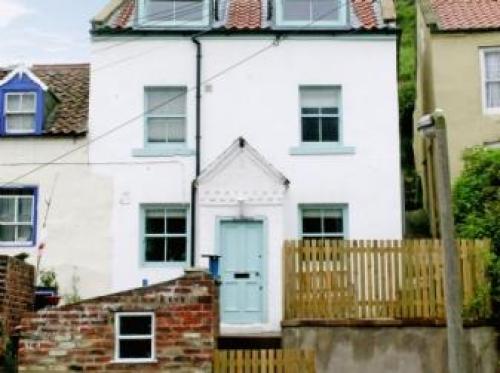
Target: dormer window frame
[
  {"x": 342, "y": 21},
  {"x": 142, "y": 21},
  {"x": 7, "y": 112}
]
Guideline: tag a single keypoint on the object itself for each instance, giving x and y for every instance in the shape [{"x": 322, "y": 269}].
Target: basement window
[{"x": 135, "y": 337}]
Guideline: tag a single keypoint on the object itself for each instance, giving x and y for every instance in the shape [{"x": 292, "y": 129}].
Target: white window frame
[
  {"x": 151, "y": 337},
  {"x": 341, "y": 22},
  {"x": 322, "y": 208},
  {"x": 148, "y": 115},
  {"x": 486, "y": 109},
  {"x": 144, "y": 22},
  {"x": 7, "y": 112},
  {"x": 16, "y": 223}
]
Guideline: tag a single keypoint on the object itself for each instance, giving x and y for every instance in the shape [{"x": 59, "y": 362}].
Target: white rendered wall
[
  {"x": 258, "y": 100},
  {"x": 77, "y": 232}
]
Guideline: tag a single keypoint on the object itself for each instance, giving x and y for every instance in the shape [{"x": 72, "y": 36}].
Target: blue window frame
[
  {"x": 311, "y": 13},
  {"x": 18, "y": 212},
  {"x": 174, "y": 13},
  {"x": 319, "y": 222},
  {"x": 164, "y": 234}
]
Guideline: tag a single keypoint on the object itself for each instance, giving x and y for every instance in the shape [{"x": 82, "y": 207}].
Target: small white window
[
  {"x": 17, "y": 216},
  {"x": 491, "y": 80},
  {"x": 166, "y": 115},
  {"x": 319, "y": 223},
  {"x": 20, "y": 110},
  {"x": 178, "y": 13},
  {"x": 312, "y": 13},
  {"x": 320, "y": 114},
  {"x": 135, "y": 336}
]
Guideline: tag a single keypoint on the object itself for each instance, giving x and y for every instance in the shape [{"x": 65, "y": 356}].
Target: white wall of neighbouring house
[
  {"x": 259, "y": 100},
  {"x": 77, "y": 230}
]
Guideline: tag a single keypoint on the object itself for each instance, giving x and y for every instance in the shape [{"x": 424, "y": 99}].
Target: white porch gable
[{"x": 241, "y": 173}]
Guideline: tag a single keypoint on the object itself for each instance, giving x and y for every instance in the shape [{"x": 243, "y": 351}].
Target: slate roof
[
  {"x": 70, "y": 86},
  {"x": 462, "y": 15},
  {"x": 248, "y": 15}
]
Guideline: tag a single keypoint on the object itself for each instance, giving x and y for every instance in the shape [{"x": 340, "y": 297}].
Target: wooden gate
[{"x": 264, "y": 361}]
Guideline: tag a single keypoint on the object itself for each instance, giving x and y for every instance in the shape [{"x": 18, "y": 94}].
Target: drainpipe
[{"x": 194, "y": 190}]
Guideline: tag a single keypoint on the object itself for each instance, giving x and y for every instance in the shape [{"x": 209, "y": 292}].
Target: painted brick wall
[
  {"x": 81, "y": 336},
  {"x": 16, "y": 294}
]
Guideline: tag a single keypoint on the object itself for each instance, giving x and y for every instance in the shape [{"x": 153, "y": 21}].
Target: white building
[
  {"x": 59, "y": 205},
  {"x": 298, "y": 137}
]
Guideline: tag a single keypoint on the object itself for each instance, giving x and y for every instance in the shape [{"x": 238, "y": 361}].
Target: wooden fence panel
[
  {"x": 374, "y": 279},
  {"x": 264, "y": 361}
]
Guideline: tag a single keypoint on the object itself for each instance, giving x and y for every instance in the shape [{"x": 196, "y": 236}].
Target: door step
[{"x": 261, "y": 341}]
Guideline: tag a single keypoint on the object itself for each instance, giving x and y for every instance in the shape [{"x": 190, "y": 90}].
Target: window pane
[
  {"x": 310, "y": 110},
  {"x": 493, "y": 95},
  {"x": 7, "y": 233},
  {"x": 330, "y": 110},
  {"x": 176, "y": 249},
  {"x": 330, "y": 129},
  {"x": 334, "y": 225},
  {"x": 159, "y": 10},
  {"x": 325, "y": 10},
  {"x": 28, "y": 103},
  {"x": 157, "y": 130},
  {"x": 310, "y": 129},
  {"x": 7, "y": 210},
  {"x": 176, "y": 225},
  {"x": 166, "y": 101},
  {"x": 20, "y": 122},
  {"x": 319, "y": 97},
  {"x": 189, "y": 10},
  {"x": 492, "y": 61},
  {"x": 24, "y": 210},
  {"x": 135, "y": 349},
  {"x": 311, "y": 224},
  {"x": 155, "y": 221},
  {"x": 13, "y": 102},
  {"x": 296, "y": 10},
  {"x": 176, "y": 130},
  {"x": 155, "y": 249},
  {"x": 24, "y": 233},
  {"x": 135, "y": 325}
]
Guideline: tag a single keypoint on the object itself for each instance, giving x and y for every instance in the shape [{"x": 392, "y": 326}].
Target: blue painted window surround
[
  {"x": 324, "y": 221},
  {"x": 321, "y": 121},
  {"x": 165, "y": 122},
  {"x": 22, "y": 107},
  {"x": 164, "y": 232},
  {"x": 18, "y": 215},
  {"x": 311, "y": 13},
  {"x": 174, "y": 13}
]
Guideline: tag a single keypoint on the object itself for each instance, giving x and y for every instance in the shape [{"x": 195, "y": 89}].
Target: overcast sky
[{"x": 46, "y": 31}]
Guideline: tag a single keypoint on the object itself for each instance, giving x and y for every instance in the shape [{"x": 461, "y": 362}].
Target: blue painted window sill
[
  {"x": 162, "y": 152},
  {"x": 322, "y": 149}
]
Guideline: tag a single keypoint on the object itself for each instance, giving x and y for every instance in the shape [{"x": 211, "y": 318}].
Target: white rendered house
[{"x": 242, "y": 124}]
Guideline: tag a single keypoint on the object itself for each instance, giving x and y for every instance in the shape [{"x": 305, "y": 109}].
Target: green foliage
[
  {"x": 48, "y": 278},
  {"x": 476, "y": 205},
  {"x": 417, "y": 224}
]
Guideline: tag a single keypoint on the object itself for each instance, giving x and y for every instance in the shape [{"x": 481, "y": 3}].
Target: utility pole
[{"x": 434, "y": 126}]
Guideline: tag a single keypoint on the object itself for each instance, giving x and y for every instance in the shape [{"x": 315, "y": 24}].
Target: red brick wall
[
  {"x": 81, "y": 336},
  {"x": 16, "y": 294}
]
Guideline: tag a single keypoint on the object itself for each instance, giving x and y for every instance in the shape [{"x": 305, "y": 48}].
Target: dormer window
[
  {"x": 20, "y": 112},
  {"x": 311, "y": 13},
  {"x": 175, "y": 13}
]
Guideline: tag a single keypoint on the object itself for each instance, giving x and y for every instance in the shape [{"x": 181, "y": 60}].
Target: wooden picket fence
[
  {"x": 264, "y": 361},
  {"x": 337, "y": 280}
]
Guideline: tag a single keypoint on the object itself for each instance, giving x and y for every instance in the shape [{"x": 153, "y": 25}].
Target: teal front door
[{"x": 242, "y": 289}]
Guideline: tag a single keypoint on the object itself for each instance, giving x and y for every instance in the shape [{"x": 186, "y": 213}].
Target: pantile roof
[
  {"x": 70, "y": 86},
  {"x": 247, "y": 15},
  {"x": 459, "y": 15}
]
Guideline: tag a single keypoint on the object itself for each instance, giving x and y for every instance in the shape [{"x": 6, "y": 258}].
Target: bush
[{"x": 476, "y": 205}]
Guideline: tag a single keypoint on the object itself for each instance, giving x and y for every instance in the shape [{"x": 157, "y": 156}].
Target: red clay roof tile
[
  {"x": 365, "y": 13},
  {"x": 244, "y": 14},
  {"x": 466, "y": 14}
]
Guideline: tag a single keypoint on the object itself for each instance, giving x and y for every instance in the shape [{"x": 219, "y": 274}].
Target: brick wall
[
  {"x": 16, "y": 294},
  {"x": 82, "y": 336}
]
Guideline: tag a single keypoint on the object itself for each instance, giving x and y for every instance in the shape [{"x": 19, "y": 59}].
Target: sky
[{"x": 46, "y": 31}]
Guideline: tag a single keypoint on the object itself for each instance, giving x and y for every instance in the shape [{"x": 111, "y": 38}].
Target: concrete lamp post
[{"x": 434, "y": 127}]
